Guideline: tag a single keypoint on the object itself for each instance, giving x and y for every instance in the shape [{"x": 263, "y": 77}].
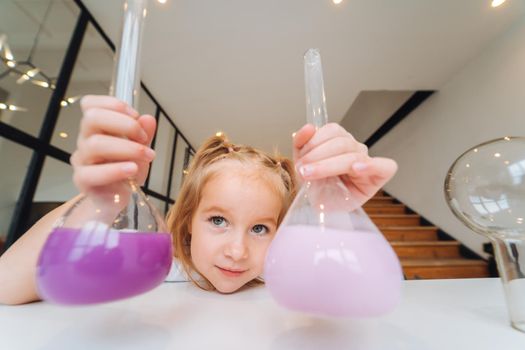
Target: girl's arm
[
  {"x": 18, "y": 263},
  {"x": 112, "y": 146}
]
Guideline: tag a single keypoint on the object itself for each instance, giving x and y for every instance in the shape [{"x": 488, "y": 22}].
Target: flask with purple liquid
[
  {"x": 112, "y": 244},
  {"x": 328, "y": 258}
]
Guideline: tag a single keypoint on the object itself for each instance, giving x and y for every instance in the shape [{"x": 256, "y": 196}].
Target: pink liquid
[
  {"x": 333, "y": 272},
  {"x": 92, "y": 266}
]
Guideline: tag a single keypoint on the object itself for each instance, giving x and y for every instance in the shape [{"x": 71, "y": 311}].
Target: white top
[
  {"x": 177, "y": 273},
  {"x": 433, "y": 315}
]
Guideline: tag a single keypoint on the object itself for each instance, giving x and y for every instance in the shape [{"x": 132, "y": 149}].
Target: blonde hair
[{"x": 215, "y": 149}]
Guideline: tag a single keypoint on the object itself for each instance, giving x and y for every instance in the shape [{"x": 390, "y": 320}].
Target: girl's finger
[
  {"x": 103, "y": 121},
  {"x": 333, "y": 166},
  {"x": 107, "y": 102},
  {"x": 322, "y": 135},
  {"x": 301, "y": 137},
  {"x": 376, "y": 171},
  {"x": 104, "y": 148},
  {"x": 148, "y": 124},
  {"x": 331, "y": 148},
  {"x": 87, "y": 177}
]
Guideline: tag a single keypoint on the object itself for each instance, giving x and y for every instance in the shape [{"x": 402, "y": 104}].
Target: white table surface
[{"x": 434, "y": 314}]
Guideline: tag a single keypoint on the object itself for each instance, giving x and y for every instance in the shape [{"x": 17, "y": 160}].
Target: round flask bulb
[{"x": 103, "y": 250}]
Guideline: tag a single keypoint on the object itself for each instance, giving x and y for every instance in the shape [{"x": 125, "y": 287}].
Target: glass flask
[
  {"x": 113, "y": 243},
  {"x": 328, "y": 258},
  {"x": 485, "y": 189}
]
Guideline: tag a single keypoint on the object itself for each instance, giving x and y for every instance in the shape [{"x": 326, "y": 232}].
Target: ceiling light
[
  {"x": 31, "y": 73},
  {"x": 70, "y": 100},
  {"x": 496, "y": 3},
  {"x": 14, "y": 108},
  {"x": 218, "y": 134},
  {"x": 8, "y": 54},
  {"x": 22, "y": 78},
  {"x": 162, "y": 1},
  {"x": 63, "y": 135},
  {"x": 337, "y": 2},
  {"x": 24, "y": 69},
  {"x": 44, "y": 84}
]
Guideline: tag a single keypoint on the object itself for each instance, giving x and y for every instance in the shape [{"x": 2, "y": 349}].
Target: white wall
[
  {"x": 485, "y": 100},
  {"x": 370, "y": 110}
]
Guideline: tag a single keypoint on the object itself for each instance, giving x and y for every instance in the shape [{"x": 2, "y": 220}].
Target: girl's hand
[
  {"x": 113, "y": 145},
  {"x": 332, "y": 151}
]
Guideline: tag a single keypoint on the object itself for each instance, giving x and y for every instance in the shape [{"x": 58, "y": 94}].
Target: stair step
[
  {"x": 426, "y": 250},
  {"x": 379, "y": 200},
  {"x": 444, "y": 268},
  {"x": 395, "y": 219},
  {"x": 380, "y": 193},
  {"x": 410, "y": 233},
  {"x": 385, "y": 209},
  {"x": 422, "y": 254}
]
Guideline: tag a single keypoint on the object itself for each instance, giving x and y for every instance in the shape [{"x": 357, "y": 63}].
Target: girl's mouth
[{"x": 231, "y": 272}]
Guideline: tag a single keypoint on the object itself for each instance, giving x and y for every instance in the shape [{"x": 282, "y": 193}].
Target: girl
[{"x": 230, "y": 205}]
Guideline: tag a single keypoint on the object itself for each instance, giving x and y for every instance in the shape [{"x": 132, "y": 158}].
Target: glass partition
[
  {"x": 91, "y": 75},
  {"x": 34, "y": 36}
]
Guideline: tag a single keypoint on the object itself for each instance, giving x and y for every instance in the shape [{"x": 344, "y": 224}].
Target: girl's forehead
[
  {"x": 236, "y": 176},
  {"x": 246, "y": 194},
  {"x": 242, "y": 174},
  {"x": 227, "y": 168}
]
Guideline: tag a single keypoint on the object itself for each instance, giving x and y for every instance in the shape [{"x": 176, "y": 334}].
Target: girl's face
[{"x": 233, "y": 226}]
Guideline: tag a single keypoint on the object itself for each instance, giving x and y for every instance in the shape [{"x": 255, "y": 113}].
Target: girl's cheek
[{"x": 260, "y": 249}]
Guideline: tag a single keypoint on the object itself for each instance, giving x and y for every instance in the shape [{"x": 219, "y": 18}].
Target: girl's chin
[{"x": 228, "y": 288}]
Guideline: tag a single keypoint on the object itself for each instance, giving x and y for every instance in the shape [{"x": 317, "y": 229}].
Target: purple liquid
[
  {"x": 92, "y": 266},
  {"x": 333, "y": 272}
]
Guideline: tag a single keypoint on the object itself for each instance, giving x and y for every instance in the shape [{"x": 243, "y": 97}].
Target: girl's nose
[{"x": 236, "y": 249}]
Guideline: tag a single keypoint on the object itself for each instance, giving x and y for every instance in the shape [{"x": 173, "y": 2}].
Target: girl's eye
[
  {"x": 218, "y": 221},
  {"x": 260, "y": 230}
]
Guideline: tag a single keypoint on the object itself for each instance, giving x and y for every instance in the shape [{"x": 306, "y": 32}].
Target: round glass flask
[
  {"x": 485, "y": 189},
  {"x": 111, "y": 243},
  {"x": 328, "y": 258}
]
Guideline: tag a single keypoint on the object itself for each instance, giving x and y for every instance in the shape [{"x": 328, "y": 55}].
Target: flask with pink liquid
[{"x": 328, "y": 258}]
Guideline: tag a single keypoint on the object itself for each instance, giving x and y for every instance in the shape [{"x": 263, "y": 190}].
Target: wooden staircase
[{"x": 422, "y": 253}]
